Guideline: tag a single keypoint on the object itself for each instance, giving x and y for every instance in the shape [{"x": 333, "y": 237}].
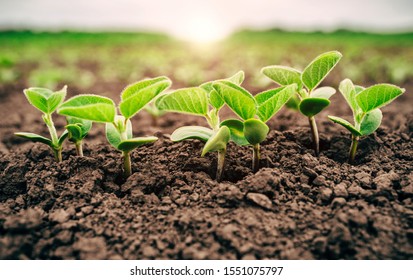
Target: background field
[{"x": 87, "y": 61}]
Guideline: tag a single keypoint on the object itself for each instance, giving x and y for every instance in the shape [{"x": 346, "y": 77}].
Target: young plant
[
  {"x": 47, "y": 102},
  {"x": 154, "y": 111},
  {"x": 365, "y": 104},
  {"x": 251, "y": 130},
  {"x": 78, "y": 129},
  {"x": 311, "y": 100},
  {"x": 206, "y": 102},
  {"x": 118, "y": 127}
]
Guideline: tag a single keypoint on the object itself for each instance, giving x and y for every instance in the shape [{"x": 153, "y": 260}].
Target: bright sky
[{"x": 203, "y": 20}]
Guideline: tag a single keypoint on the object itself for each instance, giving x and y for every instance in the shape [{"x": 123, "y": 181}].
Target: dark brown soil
[{"x": 296, "y": 206}]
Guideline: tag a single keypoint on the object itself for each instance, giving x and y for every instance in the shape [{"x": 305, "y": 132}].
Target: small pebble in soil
[
  {"x": 320, "y": 181},
  {"x": 260, "y": 200},
  {"x": 340, "y": 190},
  {"x": 87, "y": 210},
  {"x": 356, "y": 191},
  {"x": 309, "y": 172},
  {"x": 309, "y": 160},
  {"x": 59, "y": 216},
  {"x": 325, "y": 195},
  {"x": 364, "y": 178},
  {"x": 338, "y": 202}
]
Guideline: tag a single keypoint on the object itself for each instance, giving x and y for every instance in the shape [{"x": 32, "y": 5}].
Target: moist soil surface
[{"x": 297, "y": 206}]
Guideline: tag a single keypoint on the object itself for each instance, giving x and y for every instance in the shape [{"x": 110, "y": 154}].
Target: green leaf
[
  {"x": 346, "y": 125},
  {"x": 348, "y": 91},
  {"x": 38, "y": 97},
  {"x": 34, "y": 137},
  {"x": 113, "y": 135},
  {"x": 276, "y": 100},
  {"x": 255, "y": 131},
  {"x": 359, "y": 89},
  {"x": 312, "y": 106},
  {"x": 75, "y": 132},
  {"x": 377, "y": 96},
  {"x": 133, "y": 143},
  {"x": 262, "y": 97},
  {"x": 319, "y": 68},
  {"x": 214, "y": 98},
  {"x": 218, "y": 141},
  {"x": 283, "y": 75},
  {"x": 371, "y": 122},
  {"x": 188, "y": 100},
  {"x": 63, "y": 137},
  {"x": 237, "y": 78},
  {"x": 293, "y": 103},
  {"x": 191, "y": 132},
  {"x": 138, "y": 95},
  {"x": 89, "y": 107},
  {"x": 236, "y": 128},
  {"x": 44, "y": 99},
  {"x": 153, "y": 110},
  {"x": 56, "y": 99},
  {"x": 114, "y": 131},
  {"x": 323, "y": 92},
  {"x": 237, "y": 98},
  {"x": 84, "y": 125}
]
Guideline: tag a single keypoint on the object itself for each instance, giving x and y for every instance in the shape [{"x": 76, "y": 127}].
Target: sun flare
[{"x": 202, "y": 29}]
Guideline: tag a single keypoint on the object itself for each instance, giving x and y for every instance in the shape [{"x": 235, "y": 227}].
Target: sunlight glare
[{"x": 202, "y": 29}]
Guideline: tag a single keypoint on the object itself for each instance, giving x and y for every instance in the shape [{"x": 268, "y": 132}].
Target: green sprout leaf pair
[
  {"x": 311, "y": 100},
  {"x": 44, "y": 99},
  {"x": 365, "y": 104},
  {"x": 126, "y": 143},
  {"x": 47, "y": 101},
  {"x": 202, "y": 101},
  {"x": 118, "y": 127},
  {"x": 251, "y": 130},
  {"x": 78, "y": 129}
]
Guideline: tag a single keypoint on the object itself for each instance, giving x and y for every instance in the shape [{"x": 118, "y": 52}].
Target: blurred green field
[{"x": 95, "y": 61}]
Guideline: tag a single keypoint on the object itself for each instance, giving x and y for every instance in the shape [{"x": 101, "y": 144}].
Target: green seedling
[
  {"x": 154, "y": 111},
  {"x": 78, "y": 129},
  {"x": 47, "y": 102},
  {"x": 365, "y": 104},
  {"x": 309, "y": 100},
  {"x": 118, "y": 127},
  {"x": 251, "y": 130},
  {"x": 206, "y": 102}
]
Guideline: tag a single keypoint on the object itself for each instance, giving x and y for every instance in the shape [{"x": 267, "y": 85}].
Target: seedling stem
[
  {"x": 127, "y": 167},
  {"x": 79, "y": 149},
  {"x": 353, "y": 148},
  {"x": 221, "y": 164},
  {"x": 50, "y": 125},
  {"x": 314, "y": 133},
  {"x": 57, "y": 149},
  {"x": 256, "y": 157}
]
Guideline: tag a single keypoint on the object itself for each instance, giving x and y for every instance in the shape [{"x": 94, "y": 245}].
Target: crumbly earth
[{"x": 297, "y": 206}]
